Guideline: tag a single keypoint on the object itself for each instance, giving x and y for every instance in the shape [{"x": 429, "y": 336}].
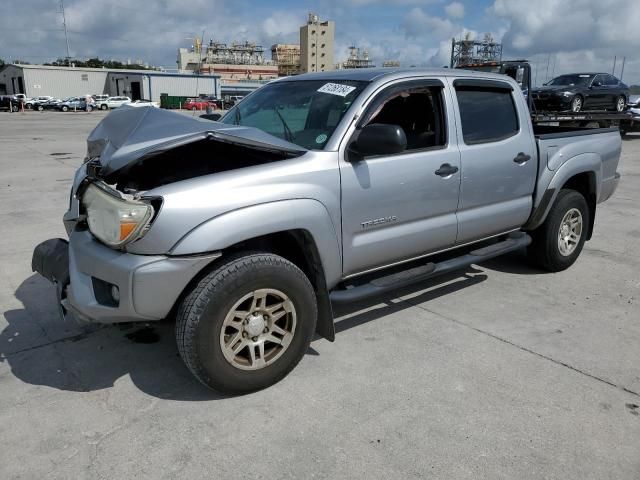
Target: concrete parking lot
[{"x": 501, "y": 371}]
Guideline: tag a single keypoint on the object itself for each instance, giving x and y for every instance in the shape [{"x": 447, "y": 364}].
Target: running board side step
[{"x": 514, "y": 241}]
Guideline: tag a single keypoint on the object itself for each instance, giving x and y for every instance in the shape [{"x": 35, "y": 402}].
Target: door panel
[
  {"x": 598, "y": 96},
  {"x": 497, "y": 178},
  {"x": 395, "y": 207},
  {"x": 414, "y": 208}
]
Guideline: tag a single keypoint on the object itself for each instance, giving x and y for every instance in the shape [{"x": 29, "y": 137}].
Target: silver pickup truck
[{"x": 319, "y": 188}]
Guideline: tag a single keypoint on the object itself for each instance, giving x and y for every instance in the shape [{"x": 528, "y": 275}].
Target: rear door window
[
  {"x": 487, "y": 114},
  {"x": 610, "y": 80}
]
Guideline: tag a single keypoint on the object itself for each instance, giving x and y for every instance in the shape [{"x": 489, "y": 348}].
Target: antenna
[{"x": 64, "y": 24}]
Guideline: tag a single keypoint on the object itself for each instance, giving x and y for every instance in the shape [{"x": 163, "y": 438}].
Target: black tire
[
  {"x": 103, "y": 107},
  {"x": 15, "y": 108},
  {"x": 39, "y": 108},
  {"x": 64, "y": 108},
  {"x": 621, "y": 104},
  {"x": 544, "y": 250},
  {"x": 201, "y": 315},
  {"x": 577, "y": 104}
]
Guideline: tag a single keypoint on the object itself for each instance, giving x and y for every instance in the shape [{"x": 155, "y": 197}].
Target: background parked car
[
  {"x": 634, "y": 107},
  {"x": 112, "y": 102},
  {"x": 9, "y": 102},
  {"x": 232, "y": 100},
  {"x": 33, "y": 102},
  {"x": 214, "y": 101},
  {"x": 143, "y": 103},
  {"x": 77, "y": 103},
  {"x": 48, "y": 105},
  {"x": 582, "y": 91},
  {"x": 100, "y": 97},
  {"x": 198, "y": 104}
]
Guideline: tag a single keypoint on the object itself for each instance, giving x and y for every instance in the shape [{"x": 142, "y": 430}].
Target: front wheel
[
  {"x": 557, "y": 243},
  {"x": 103, "y": 107},
  {"x": 65, "y": 108},
  {"x": 621, "y": 103},
  {"x": 576, "y": 104},
  {"x": 246, "y": 324}
]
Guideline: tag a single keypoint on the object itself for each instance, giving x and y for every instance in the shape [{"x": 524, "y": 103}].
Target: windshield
[
  {"x": 304, "y": 112},
  {"x": 571, "y": 80}
]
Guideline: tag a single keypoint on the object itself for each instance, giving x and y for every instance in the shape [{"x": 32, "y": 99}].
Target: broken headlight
[{"x": 113, "y": 219}]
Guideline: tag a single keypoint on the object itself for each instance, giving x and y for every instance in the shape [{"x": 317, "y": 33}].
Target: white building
[
  {"x": 62, "y": 82},
  {"x": 150, "y": 85}
]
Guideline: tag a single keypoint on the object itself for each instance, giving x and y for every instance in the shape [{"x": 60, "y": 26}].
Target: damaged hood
[{"x": 129, "y": 134}]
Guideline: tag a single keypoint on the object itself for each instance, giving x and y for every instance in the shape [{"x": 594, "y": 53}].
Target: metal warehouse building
[
  {"x": 62, "y": 82},
  {"x": 150, "y": 85}
]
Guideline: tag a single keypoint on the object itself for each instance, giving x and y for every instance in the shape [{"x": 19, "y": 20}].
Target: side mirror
[
  {"x": 379, "y": 139},
  {"x": 211, "y": 116}
]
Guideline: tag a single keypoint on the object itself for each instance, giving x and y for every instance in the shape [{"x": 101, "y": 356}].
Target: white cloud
[
  {"x": 281, "y": 24},
  {"x": 582, "y": 34},
  {"x": 455, "y": 10},
  {"x": 417, "y": 23}
]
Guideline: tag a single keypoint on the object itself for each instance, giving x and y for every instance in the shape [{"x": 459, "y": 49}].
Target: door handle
[
  {"x": 446, "y": 170},
  {"x": 521, "y": 158}
]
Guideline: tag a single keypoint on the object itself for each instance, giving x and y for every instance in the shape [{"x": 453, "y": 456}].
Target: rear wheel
[
  {"x": 557, "y": 243},
  {"x": 247, "y": 324},
  {"x": 64, "y": 108},
  {"x": 621, "y": 103},
  {"x": 103, "y": 107},
  {"x": 576, "y": 104}
]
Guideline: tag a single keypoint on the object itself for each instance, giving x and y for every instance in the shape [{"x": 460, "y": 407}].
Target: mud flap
[{"x": 51, "y": 260}]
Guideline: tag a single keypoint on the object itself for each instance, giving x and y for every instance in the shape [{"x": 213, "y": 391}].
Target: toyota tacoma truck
[{"x": 315, "y": 189}]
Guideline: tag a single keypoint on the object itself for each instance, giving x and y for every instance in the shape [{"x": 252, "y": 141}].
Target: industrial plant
[{"x": 469, "y": 51}]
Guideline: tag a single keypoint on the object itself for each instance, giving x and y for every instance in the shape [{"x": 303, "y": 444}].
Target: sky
[{"x": 558, "y": 36}]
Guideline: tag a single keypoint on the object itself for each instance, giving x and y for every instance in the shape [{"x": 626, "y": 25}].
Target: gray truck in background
[{"x": 319, "y": 188}]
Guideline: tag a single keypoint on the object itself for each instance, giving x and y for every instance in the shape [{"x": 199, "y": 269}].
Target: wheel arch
[
  {"x": 583, "y": 174},
  {"x": 299, "y": 247},
  {"x": 299, "y": 230}
]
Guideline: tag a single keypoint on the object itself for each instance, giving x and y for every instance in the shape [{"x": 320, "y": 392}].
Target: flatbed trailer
[
  {"x": 623, "y": 120},
  {"x": 520, "y": 71}
]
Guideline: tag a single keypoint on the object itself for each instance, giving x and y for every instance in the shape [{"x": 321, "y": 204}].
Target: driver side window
[{"x": 418, "y": 110}]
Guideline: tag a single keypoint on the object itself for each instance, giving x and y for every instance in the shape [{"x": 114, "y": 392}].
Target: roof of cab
[{"x": 371, "y": 74}]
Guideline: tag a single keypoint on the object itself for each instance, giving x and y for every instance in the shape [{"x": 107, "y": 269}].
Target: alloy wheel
[
  {"x": 258, "y": 329},
  {"x": 570, "y": 232}
]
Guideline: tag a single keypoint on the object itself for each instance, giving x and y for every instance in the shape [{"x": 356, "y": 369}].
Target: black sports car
[{"x": 578, "y": 92}]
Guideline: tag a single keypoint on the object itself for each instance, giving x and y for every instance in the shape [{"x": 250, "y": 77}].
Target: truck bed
[{"x": 557, "y": 146}]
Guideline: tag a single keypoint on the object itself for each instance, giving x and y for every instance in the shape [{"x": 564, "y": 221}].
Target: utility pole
[
  {"x": 66, "y": 37},
  {"x": 546, "y": 72},
  {"x": 622, "y": 71},
  {"x": 613, "y": 72}
]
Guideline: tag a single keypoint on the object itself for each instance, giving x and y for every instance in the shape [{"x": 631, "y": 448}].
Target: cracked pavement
[{"x": 499, "y": 371}]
